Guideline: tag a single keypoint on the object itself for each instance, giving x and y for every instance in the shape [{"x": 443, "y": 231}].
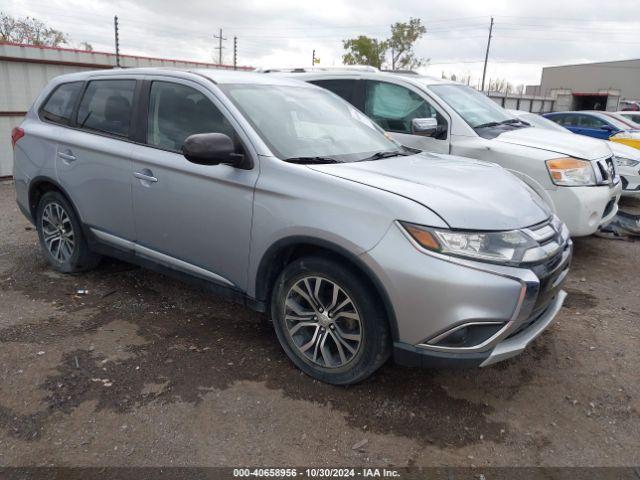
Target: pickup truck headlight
[
  {"x": 498, "y": 247},
  {"x": 626, "y": 162},
  {"x": 571, "y": 172}
]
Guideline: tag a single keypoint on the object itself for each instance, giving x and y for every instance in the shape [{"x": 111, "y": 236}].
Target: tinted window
[
  {"x": 393, "y": 107},
  {"x": 106, "y": 106},
  {"x": 177, "y": 111},
  {"x": 59, "y": 107},
  {"x": 342, "y": 88}
]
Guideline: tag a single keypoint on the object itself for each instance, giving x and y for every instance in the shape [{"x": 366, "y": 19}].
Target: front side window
[
  {"x": 303, "y": 121},
  {"x": 588, "y": 121},
  {"x": 59, "y": 106},
  {"x": 393, "y": 107},
  {"x": 474, "y": 107},
  {"x": 106, "y": 107},
  {"x": 177, "y": 111}
]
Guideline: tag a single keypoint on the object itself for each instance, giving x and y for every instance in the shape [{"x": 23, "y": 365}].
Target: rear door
[
  {"x": 94, "y": 157},
  {"x": 192, "y": 218},
  {"x": 394, "y": 106}
]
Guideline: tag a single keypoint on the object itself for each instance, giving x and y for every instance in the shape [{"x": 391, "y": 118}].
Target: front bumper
[
  {"x": 433, "y": 295},
  {"x": 630, "y": 177},
  {"x": 585, "y": 209}
]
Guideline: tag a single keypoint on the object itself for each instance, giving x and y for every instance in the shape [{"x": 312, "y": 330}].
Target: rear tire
[
  {"x": 61, "y": 237},
  {"x": 329, "y": 321}
]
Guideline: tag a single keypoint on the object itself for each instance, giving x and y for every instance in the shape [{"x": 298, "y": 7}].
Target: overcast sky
[{"x": 527, "y": 34}]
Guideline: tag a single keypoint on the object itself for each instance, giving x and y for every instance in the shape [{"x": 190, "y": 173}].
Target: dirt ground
[{"x": 144, "y": 370}]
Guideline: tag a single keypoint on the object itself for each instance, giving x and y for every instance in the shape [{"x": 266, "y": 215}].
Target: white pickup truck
[{"x": 575, "y": 175}]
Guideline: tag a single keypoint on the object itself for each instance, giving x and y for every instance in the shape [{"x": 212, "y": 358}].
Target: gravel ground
[{"x": 144, "y": 370}]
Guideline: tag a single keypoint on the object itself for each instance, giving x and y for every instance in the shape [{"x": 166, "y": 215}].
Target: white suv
[{"x": 576, "y": 176}]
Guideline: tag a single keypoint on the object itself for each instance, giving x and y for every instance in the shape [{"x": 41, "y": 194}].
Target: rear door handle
[
  {"x": 145, "y": 175},
  {"x": 67, "y": 156}
]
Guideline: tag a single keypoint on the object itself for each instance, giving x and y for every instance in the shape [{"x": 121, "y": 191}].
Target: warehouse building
[
  {"x": 591, "y": 86},
  {"x": 26, "y": 69}
]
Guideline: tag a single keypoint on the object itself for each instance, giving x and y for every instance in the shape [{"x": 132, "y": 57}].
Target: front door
[
  {"x": 193, "y": 218},
  {"x": 393, "y": 107}
]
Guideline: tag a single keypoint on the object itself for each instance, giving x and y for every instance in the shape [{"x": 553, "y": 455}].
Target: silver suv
[{"x": 283, "y": 196}]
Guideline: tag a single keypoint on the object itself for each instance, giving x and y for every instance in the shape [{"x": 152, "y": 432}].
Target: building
[
  {"x": 587, "y": 86},
  {"x": 26, "y": 69}
]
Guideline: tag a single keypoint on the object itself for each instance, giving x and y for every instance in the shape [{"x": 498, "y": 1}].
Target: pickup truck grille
[{"x": 606, "y": 172}]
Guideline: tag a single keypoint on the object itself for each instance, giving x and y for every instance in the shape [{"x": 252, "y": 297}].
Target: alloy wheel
[
  {"x": 57, "y": 232},
  {"x": 323, "y": 322}
]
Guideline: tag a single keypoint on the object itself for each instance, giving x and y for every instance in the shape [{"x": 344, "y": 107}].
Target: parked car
[
  {"x": 627, "y": 159},
  {"x": 631, "y": 115},
  {"x": 575, "y": 176},
  {"x": 597, "y": 124},
  {"x": 285, "y": 197},
  {"x": 629, "y": 105}
]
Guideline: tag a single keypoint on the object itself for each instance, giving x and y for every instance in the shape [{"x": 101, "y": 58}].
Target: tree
[
  {"x": 403, "y": 36},
  {"x": 31, "y": 31},
  {"x": 86, "y": 46},
  {"x": 370, "y": 51},
  {"x": 364, "y": 51}
]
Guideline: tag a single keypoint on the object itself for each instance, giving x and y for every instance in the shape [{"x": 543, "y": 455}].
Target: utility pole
[
  {"x": 486, "y": 55},
  {"x": 115, "y": 25},
  {"x": 235, "y": 53},
  {"x": 313, "y": 59},
  {"x": 219, "y": 47}
]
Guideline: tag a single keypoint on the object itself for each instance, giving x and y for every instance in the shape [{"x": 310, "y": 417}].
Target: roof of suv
[
  {"x": 420, "y": 80},
  {"x": 217, "y": 76}
]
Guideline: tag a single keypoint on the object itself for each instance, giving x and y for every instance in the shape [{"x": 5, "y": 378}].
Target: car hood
[
  {"x": 563, "y": 143},
  {"x": 624, "y": 151},
  {"x": 466, "y": 194}
]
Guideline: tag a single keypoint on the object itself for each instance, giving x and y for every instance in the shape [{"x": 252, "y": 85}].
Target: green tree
[
  {"x": 403, "y": 37},
  {"x": 364, "y": 51}
]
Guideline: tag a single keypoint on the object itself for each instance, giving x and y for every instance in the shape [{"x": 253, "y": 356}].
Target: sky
[{"x": 527, "y": 34}]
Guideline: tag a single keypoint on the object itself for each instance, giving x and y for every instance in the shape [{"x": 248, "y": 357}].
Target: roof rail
[
  {"x": 403, "y": 72},
  {"x": 357, "y": 68}
]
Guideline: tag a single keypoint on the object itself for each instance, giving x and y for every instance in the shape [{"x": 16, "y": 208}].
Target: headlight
[
  {"x": 571, "y": 172},
  {"x": 626, "y": 162},
  {"x": 498, "y": 247}
]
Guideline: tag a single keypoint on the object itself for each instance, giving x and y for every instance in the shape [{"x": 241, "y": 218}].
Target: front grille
[
  {"x": 607, "y": 172},
  {"x": 551, "y": 236}
]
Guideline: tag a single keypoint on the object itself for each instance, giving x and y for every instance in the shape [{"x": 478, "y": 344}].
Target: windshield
[
  {"x": 539, "y": 121},
  {"x": 307, "y": 122},
  {"x": 474, "y": 107},
  {"x": 620, "y": 123}
]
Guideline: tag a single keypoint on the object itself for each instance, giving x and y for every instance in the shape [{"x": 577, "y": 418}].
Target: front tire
[
  {"x": 329, "y": 321},
  {"x": 61, "y": 236}
]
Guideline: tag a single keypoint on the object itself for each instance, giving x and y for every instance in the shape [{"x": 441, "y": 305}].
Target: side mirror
[
  {"x": 211, "y": 149},
  {"x": 607, "y": 128},
  {"x": 427, "y": 127}
]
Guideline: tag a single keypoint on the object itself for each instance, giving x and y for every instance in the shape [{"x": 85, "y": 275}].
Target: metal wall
[
  {"x": 26, "y": 69},
  {"x": 623, "y": 76}
]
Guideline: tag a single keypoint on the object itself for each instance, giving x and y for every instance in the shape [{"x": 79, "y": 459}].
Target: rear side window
[
  {"x": 59, "y": 106},
  {"x": 106, "y": 107},
  {"x": 177, "y": 111},
  {"x": 342, "y": 88}
]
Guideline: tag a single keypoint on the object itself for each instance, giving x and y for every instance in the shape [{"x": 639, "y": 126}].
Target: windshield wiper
[
  {"x": 312, "y": 160},
  {"x": 386, "y": 154},
  {"x": 487, "y": 125},
  {"x": 515, "y": 120}
]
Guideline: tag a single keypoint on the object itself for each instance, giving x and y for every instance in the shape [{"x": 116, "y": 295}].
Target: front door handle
[
  {"x": 145, "y": 176},
  {"x": 67, "y": 156}
]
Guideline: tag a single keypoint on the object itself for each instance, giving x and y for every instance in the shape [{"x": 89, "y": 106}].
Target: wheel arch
[
  {"x": 286, "y": 250},
  {"x": 41, "y": 185}
]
